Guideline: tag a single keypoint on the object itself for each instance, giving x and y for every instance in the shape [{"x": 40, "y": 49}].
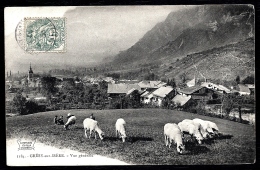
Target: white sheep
[
  {"x": 92, "y": 125},
  {"x": 191, "y": 129},
  {"x": 172, "y": 132},
  {"x": 120, "y": 129},
  {"x": 214, "y": 128},
  {"x": 71, "y": 121},
  {"x": 205, "y": 125},
  {"x": 198, "y": 125}
]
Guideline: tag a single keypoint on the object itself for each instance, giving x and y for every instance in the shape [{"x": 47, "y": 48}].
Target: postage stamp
[{"x": 42, "y": 34}]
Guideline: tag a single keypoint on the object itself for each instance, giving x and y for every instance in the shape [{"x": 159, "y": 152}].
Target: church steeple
[
  {"x": 30, "y": 71},
  {"x": 30, "y": 74}
]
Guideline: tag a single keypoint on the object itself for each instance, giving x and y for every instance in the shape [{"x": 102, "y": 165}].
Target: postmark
[
  {"x": 40, "y": 35},
  {"x": 19, "y": 34}
]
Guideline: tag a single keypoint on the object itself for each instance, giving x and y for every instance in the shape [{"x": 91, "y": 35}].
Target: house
[
  {"x": 198, "y": 93},
  {"x": 146, "y": 97},
  {"x": 69, "y": 79},
  {"x": 191, "y": 83},
  {"x": 127, "y": 81},
  {"x": 160, "y": 93},
  {"x": 38, "y": 82},
  {"x": 243, "y": 89},
  {"x": 24, "y": 81},
  {"x": 109, "y": 79},
  {"x": 115, "y": 90},
  {"x": 251, "y": 88},
  {"x": 41, "y": 98},
  {"x": 130, "y": 91},
  {"x": 95, "y": 80},
  {"x": 151, "y": 84},
  {"x": 181, "y": 100},
  {"x": 215, "y": 87}
]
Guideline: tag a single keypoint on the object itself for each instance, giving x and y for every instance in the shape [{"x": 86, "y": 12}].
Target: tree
[
  {"x": 230, "y": 101},
  {"x": 171, "y": 83},
  {"x": 31, "y": 107},
  {"x": 163, "y": 79},
  {"x": 48, "y": 85},
  {"x": 18, "y": 103},
  {"x": 133, "y": 100},
  {"x": 238, "y": 79},
  {"x": 150, "y": 76},
  {"x": 249, "y": 80},
  {"x": 183, "y": 77}
]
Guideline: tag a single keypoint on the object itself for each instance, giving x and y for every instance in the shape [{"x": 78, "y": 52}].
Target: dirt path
[{"x": 44, "y": 155}]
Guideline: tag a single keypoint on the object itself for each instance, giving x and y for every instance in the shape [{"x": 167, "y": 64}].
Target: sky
[{"x": 93, "y": 33}]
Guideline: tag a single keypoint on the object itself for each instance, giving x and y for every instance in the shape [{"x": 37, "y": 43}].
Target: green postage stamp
[{"x": 45, "y": 34}]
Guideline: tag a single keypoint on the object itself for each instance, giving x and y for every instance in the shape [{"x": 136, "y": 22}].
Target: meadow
[{"x": 145, "y": 143}]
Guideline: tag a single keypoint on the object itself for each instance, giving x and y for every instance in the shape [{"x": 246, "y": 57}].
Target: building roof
[
  {"x": 190, "y": 90},
  {"x": 182, "y": 100},
  {"x": 40, "y": 98},
  {"x": 130, "y": 91},
  {"x": 151, "y": 84},
  {"x": 163, "y": 91},
  {"x": 215, "y": 87},
  {"x": 191, "y": 83},
  {"x": 127, "y": 81},
  {"x": 251, "y": 86},
  {"x": 65, "y": 101},
  {"x": 224, "y": 89},
  {"x": 145, "y": 93},
  {"x": 108, "y": 79},
  {"x": 121, "y": 88},
  {"x": 243, "y": 88}
]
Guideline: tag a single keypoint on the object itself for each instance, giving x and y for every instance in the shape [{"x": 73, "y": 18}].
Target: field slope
[{"x": 145, "y": 143}]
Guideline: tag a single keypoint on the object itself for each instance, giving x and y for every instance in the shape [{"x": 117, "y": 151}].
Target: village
[{"x": 61, "y": 92}]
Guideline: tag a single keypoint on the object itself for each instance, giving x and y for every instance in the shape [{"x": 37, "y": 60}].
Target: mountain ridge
[{"x": 205, "y": 27}]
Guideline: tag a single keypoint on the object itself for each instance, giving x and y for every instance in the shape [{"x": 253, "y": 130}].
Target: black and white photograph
[{"x": 130, "y": 85}]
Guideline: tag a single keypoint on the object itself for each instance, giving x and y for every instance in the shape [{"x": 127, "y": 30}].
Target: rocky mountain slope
[
  {"x": 189, "y": 31},
  {"x": 223, "y": 63}
]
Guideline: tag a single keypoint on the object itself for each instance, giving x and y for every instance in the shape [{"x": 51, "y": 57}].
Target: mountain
[
  {"x": 223, "y": 63},
  {"x": 191, "y": 30}
]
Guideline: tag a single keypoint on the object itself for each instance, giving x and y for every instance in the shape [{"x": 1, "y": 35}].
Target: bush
[
  {"x": 31, "y": 107},
  {"x": 214, "y": 101},
  {"x": 18, "y": 104}
]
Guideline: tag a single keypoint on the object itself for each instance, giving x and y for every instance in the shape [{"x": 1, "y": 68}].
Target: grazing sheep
[
  {"x": 190, "y": 128},
  {"x": 172, "y": 132},
  {"x": 60, "y": 121},
  {"x": 71, "y": 121},
  {"x": 55, "y": 119},
  {"x": 214, "y": 128},
  {"x": 203, "y": 132},
  {"x": 92, "y": 116},
  {"x": 92, "y": 125},
  {"x": 205, "y": 125},
  {"x": 120, "y": 129}
]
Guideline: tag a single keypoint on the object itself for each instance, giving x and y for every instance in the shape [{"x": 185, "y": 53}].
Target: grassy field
[{"x": 145, "y": 142}]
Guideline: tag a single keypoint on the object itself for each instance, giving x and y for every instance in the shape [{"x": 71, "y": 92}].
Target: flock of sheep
[
  {"x": 198, "y": 128},
  {"x": 92, "y": 125}
]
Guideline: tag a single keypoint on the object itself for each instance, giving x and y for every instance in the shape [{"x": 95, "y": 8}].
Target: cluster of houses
[
  {"x": 154, "y": 92},
  {"x": 151, "y": 92}
]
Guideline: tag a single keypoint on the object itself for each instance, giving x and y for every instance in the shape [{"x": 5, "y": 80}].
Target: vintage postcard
[{"x": 130, "y": 85}]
